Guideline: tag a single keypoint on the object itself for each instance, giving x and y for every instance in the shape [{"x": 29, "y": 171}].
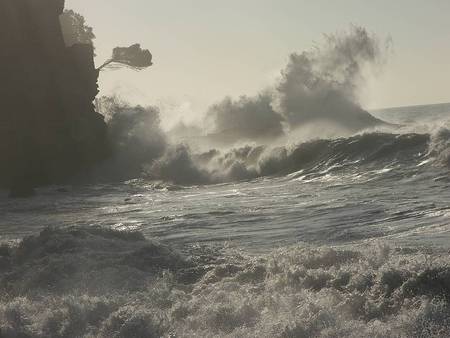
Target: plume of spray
[
  {"x": 439, "y": 148},
  {"x": 316, "y": 86},
  {"x": 324, "y": 83},
  {"x": 178, "y": 166},
  {"x": 246, "y": 119},
  {"x": 135, "y": 137}
]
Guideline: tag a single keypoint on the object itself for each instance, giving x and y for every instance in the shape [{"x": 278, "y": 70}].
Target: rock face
[{"x": 49, "y": 129}]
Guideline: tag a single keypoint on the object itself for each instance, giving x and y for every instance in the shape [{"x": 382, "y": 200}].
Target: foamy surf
[{"x": 92, "y": 282}]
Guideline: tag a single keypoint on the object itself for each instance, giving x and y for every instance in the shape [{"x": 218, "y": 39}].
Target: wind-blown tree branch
[
  {"x": 134, "y": 57},
  {"x": 75, "y": 31}
]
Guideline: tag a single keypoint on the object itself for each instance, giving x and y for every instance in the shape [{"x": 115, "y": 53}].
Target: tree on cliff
[{"x": 75, "y": 30}]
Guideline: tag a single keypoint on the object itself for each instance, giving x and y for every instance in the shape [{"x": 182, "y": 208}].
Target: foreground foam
[
  {"x": 91, "y": 260},
  {"x": 299, "y": 291}
]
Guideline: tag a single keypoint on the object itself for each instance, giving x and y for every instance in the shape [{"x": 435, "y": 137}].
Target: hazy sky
[{"x": 206, "y": 49}]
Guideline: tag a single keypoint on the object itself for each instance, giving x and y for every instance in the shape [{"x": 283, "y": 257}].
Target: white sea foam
[{"x": 299, "y": 291}]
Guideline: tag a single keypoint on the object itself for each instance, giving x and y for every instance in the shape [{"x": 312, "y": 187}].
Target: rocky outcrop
[{"x": 49, "y": 129}]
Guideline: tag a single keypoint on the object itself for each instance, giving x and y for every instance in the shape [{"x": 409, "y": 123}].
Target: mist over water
[
  {"x": 135, "y": 136},
  {"x": 291, "y": 213},
  {"x": 250, "y": 137}
]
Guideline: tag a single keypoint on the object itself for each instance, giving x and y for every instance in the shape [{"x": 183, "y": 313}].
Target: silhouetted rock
[{"x": 49, "y": 129}]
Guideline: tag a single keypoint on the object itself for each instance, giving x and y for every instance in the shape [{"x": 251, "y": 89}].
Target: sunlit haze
[
  {"x": 204, "y": 50},
  {"x": 226, "y": 169}
]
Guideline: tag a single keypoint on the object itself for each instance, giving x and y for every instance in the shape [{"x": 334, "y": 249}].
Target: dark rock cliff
[{"x": 49, "y": 129}]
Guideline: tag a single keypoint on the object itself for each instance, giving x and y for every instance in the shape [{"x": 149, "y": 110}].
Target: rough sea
[{"x": 350, "y": 239}]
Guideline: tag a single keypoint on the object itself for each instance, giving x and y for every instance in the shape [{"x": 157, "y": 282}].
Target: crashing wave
[{"x": 366, "y": 151}]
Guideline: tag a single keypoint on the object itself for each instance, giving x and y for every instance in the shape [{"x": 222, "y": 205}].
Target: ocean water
[{"x": 350, "y": 238}]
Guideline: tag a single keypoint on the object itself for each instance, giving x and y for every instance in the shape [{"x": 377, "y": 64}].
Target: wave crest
[{"x": 366, "y": 151}]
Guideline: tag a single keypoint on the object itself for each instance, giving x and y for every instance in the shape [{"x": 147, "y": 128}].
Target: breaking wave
[
  {"x": 318, "y": 90},
  {"x": 369, "y": 151},
  {"x": 141, "y": 148},
  {"x": 93, "y": 282}
]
